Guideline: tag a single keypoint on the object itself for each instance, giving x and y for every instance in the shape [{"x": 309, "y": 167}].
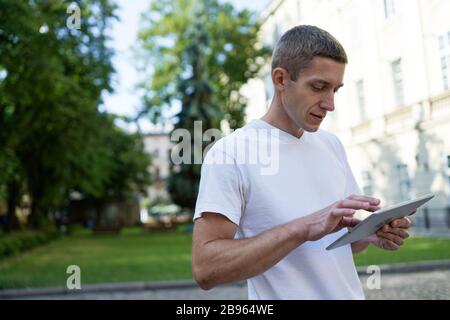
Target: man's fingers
[
  {"x": 373, "y": 208},
  {"x": 373, "y": 201},
  {"x": 401, "y": 223},
  {"x": 389, "y": 245},
  {"x": 402, "y": 233},
  {"x": 359, "y": 202},
  {"x": 390, "y": 236},
  {"x": 353, "y": 204},
  {"x": 350, "y": 222},
  {"x": 339, "y": 212},
  {"x": 397, "y": 231}
]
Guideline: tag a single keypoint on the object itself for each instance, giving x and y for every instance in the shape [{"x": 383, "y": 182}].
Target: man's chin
[{"x": 312, "y": 129}]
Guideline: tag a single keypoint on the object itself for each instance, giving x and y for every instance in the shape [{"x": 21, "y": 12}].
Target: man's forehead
[
  {"x": 321, "y": 63},
  {"x": 325, "y": 70},
  {"x": 324, "y": 62}
]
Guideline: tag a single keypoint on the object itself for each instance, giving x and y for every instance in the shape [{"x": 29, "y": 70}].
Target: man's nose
[{"x": 328, "y": 102}]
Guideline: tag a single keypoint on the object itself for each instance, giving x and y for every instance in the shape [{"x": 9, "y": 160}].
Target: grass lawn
[
  {"x": 131, "y": 256},
  {"x": 138, "y": 256},
  {"x": 415, "y": 249}
]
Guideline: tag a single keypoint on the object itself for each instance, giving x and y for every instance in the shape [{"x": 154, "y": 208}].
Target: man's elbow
[
  {"x": 203, "y": 283},
  {"x": 203, "y": 278}
]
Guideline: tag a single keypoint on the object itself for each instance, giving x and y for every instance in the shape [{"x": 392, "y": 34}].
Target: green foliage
[
  {"x": 53, "y": 138},
  {"x": 199, "y": 53},
  {"x": 232, "y": 55},
  {"x": 21, "y": 241},
  {"x": 130, "y": 164}
]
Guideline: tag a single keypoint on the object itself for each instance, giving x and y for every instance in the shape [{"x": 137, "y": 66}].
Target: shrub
[{"x": 21, "y": 241}]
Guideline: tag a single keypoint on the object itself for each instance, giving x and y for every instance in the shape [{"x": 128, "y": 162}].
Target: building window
[
  {"x": 367, "y": 183},
  {"x": 445, "y": 71},
  {"x": 444, "y": 48},
  {"x": 397, "y": 75},
  {"x": 361, "y": 99},
  {"x": 404, "y": 181},
  {"x": 389, "y": 8}
]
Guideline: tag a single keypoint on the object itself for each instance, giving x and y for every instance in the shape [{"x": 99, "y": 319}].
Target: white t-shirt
[{"x": 260, "y": 177}]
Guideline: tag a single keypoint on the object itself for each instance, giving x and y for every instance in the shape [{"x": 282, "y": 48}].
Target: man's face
[{"x": 307, "y": 100}]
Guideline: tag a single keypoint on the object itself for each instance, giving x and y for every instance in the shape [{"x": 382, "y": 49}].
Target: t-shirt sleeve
[{"x": 220, "y": 189}]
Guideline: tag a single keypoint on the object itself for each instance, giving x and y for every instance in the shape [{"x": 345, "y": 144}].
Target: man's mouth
[{"x": 318, "y": 116}]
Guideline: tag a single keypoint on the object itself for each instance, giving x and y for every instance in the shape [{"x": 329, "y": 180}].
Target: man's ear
[{"x": 279, "y": 76}]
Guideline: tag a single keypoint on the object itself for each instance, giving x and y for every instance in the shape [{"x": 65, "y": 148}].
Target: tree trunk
[
  {"x": 12, "y": 223},
  {"x": 34, "y": 219}
]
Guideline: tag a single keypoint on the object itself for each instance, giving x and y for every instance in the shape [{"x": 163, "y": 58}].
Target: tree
[
  {"x": 51, "y": 91},
  {"x": 199, "y": 53},
  {"x": 129, "y": 172},
  {"x": 53, "y": 139},
  {"x": 11, "y": 187},
  {"x": 122, "y": 156}
]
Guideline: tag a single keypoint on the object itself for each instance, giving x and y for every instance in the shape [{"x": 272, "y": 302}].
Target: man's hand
[
  {"x": 392, "y": 236},
  {"x": 337, "y": 216}
]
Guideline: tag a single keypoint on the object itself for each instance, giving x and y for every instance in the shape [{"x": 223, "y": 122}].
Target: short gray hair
[{"x": 299, "y": 45}]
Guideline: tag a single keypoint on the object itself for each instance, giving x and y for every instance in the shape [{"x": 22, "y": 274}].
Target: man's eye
[{"x": 318, "y": 88}]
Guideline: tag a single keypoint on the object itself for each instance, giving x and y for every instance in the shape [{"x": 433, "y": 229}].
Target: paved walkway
[
  {"x": 416, "y": 285},
  {"x": 433, "y": 285}
]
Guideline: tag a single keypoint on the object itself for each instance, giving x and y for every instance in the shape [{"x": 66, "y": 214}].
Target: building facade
[
  {"x": 158, "y": 145},
  {"x": 393, "y": 115}
]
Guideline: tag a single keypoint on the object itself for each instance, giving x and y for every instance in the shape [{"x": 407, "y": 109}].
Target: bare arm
[{"x": 217, "y": 258}]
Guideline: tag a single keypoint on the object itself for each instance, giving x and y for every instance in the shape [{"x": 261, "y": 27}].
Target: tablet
[{"x": 378, "y": 219}]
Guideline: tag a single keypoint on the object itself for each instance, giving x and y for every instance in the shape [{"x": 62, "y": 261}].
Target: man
[{"x": 272, "y": 229}]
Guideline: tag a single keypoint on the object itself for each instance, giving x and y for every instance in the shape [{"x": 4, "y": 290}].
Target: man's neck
[{"x": 277, "y": 117}]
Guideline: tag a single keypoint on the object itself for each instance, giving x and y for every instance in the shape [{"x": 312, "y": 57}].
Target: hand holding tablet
[{"x": 378, "y": 219}]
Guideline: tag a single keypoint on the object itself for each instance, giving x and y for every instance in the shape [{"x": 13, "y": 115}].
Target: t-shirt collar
[{"x": 282, "y": 135}]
